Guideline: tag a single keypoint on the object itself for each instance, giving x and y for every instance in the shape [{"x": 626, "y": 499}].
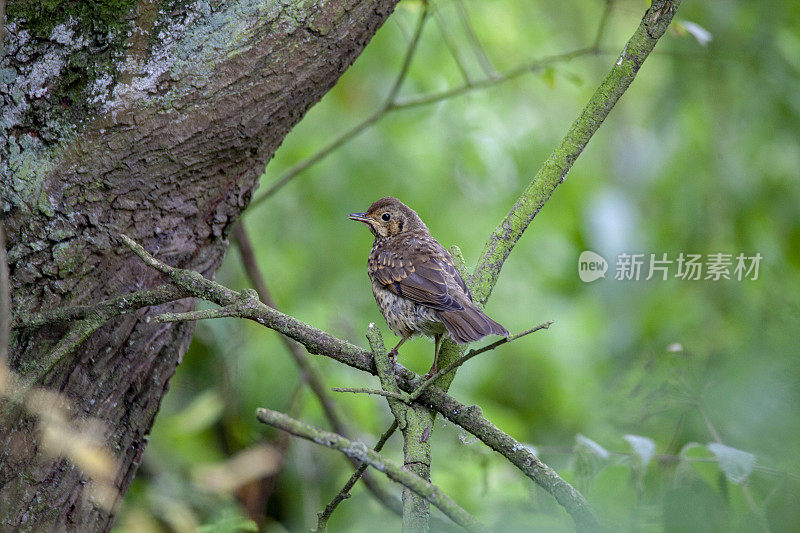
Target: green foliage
[{"x": 700, "y": 156}]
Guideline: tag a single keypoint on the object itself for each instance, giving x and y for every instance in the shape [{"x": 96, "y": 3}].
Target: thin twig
[
  {"x": 91, "y": 318},
  {"x": 312, "y": 375},
  {"x": 199, "y": 314},
  {"x": 709, "y": 426},
  {"x": 410, "y": 51},
  {"x": 472, "y": 353},
  {"x": 601, "y": 27},
  {"x": 393, "y": 471},
  {"x": 296, "y": 169},
  {"x": 451, "y": 45},
  {"x": 748, "y": 496},
  {"x": 344, "y": 493},
  {"x": 433, "y": 97},
  {"x": 385, "y": 372},
  {"x": 74, "y": 337},
  {"x": 477, "y": 47},
  {"x": 377, "y": 392}
]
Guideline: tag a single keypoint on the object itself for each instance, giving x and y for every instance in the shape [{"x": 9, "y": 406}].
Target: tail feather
[{"x": 470, "y": 324}]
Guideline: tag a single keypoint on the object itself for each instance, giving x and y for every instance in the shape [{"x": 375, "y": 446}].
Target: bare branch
[
  {"x": 91, "y": 318},
  {"x": 601, "y": 27},
  {"x": 199, "y": 314},
  {"x": 412, "y": 49},
  {"x": 359, "y": 451},
  {"x": 451, "y": 45},
  {"x": 533, "y": 66},
  {"x": 386, "y": 375},
  {"x": 477, "y": 47},
  {"x": 325, "y": 515},
  {"x": 298, "y": 354},
  {"x": 377, "y": 392},
  {"x": 74, "y": 337},
  {"x": 472, "y": 353},
  {"x": 393, "y": 103}
]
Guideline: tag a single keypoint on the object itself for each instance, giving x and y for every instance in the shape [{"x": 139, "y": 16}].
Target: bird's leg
[
  {"x": 437, "y": 339},
  {"x": 393, "y": 351}
]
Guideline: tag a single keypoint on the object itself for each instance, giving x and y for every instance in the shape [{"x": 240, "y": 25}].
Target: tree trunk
[{"x": 153, "y": 119}]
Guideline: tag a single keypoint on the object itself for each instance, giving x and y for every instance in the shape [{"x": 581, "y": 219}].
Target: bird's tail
[{"x": 470, "y": 324}]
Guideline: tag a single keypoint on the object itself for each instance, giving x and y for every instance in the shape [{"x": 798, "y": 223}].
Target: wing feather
[{"x": 420, "y": 270}]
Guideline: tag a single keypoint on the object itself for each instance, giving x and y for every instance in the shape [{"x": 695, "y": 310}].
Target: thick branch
[
  {"x": 359, "y": 451},
  {"x": 555, "y": 169}
]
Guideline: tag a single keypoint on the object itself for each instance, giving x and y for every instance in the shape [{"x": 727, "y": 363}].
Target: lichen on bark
[{"x": 173, "y": 112}]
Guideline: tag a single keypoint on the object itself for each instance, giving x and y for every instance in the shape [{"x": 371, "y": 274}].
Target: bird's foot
[
  {"x": 393, "y": 356},
  {"x": 432, "y": 372}
]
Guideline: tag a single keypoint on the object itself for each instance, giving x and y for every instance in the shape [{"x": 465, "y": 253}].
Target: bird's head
[{"x": 389, "y": 217}]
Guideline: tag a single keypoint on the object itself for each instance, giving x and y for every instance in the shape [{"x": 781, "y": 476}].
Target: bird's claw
[{"x": 393, "y": 356}]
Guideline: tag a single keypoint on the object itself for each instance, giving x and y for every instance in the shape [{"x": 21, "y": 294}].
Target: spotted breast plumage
[{"x": 415, "y": 282}]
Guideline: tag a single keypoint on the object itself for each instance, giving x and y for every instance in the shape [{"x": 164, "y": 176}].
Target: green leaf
[
  {"x": 737, "y": 465},
  {"x": 643, "y": 447}
]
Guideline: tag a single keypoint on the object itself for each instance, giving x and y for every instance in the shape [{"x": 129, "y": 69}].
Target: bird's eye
[{"x": 386, "y": 217}]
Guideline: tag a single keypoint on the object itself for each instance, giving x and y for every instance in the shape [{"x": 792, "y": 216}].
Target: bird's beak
[{"x": 360, "y": 217}]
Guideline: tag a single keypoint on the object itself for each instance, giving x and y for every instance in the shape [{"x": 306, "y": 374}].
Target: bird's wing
[{"x": 422, "y": 271}]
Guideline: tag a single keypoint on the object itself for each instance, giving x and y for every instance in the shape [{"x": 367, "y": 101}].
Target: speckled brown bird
[{"x": 415, "y": 281}]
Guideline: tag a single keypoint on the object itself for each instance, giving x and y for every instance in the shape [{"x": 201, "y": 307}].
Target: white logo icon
[{"x": 591, "y": 266}]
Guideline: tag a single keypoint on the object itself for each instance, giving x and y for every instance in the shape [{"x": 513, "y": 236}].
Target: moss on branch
[{"x": 555, "y": 168}]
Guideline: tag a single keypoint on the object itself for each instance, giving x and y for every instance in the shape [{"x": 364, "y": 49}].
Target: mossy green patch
[
  {"x": 67, "y": 256},
  {"x": 43, "y": 16}
]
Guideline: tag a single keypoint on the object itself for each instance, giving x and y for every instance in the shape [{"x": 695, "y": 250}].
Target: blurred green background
[{"x": 701, "y": 155}]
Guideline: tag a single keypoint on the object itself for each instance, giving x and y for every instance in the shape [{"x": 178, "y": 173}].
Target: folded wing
[{"x": 424, "y": 272}]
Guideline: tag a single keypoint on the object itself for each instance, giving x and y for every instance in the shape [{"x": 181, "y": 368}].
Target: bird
[{"x": 415, "y": 281}]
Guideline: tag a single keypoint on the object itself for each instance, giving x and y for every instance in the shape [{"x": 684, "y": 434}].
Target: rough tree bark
[{"x": 153, "y": 119}]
